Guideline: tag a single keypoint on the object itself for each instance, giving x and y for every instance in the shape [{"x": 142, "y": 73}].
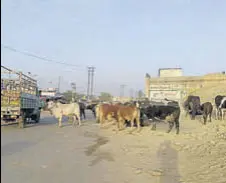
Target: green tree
[{"x": 104, "y": 96}]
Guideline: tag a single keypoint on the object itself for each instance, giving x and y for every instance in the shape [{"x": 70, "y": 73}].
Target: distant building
[
  {"x": 171, "y": 84},
  {"x": 49, "y": 92}
]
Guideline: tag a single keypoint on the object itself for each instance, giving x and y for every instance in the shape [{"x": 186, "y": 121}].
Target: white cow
[{"x": 59, "y": 110}]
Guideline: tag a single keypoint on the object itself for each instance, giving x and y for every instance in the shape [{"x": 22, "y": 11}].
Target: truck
[{"x": 20, "y": 97}]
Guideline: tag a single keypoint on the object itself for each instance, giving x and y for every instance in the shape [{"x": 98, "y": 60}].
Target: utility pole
[
  {"x": 73, "y": 86},
  {"x": 90, "y": 81},
  {"x": 122, "y": 87},
  {"x": 92, "y": 75},
  {"x": 59, "y": 80}
]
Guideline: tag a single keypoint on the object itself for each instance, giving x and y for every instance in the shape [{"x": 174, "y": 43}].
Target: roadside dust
[{"x": 196, "y": 155}]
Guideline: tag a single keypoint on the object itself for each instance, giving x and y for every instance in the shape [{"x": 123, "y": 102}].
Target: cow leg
[
  {"x": 171, "y": 124},
  {"x": 60, "y": 121},
  {"x": 205, "y": 118},
  {"x": 101, "y": 119},
  {"x": 193, "y": 114},
  {"x": 216, "y": 113},
  {"x": 84, "y": 114},
  {"x": 138, "y": 123},
  {"x": 132, "y": 123},
  {"x": 79, "y": 120},
  {"x": 210, "y": 116},
  {"x": 81, "y": 114},
  {"x": 177, "y": 124}
]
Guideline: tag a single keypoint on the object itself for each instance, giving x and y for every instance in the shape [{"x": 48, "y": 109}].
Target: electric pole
[
  {"x": 92, "y": 75},
  {"x": 90, "y": 82},
  {"x": 73, "y": 86},
  {"x": 59, "y": 84}
]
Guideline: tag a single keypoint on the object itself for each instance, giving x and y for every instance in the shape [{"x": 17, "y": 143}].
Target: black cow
[
  {"x": 193, "y": 106},
  {"x": 82, "y": 108},
  {"x": 207, "y": 109},
  {"x": 170, "y": 113},
  {"x": 218, "y": 100},
  {"x": 92, "y": 107}
]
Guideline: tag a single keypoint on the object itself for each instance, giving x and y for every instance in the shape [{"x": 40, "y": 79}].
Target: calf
[
  {"x": 207, "y": 109},
  {"x": 170, "y": 114},
  {"x": 128, "y": 113},
  {"x": 59, "y": 110}
]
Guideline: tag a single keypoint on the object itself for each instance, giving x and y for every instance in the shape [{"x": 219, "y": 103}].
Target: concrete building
[{"x": 173, "y": 85}]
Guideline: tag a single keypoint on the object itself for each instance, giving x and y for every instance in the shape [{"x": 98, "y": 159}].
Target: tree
[
  {"x": 140, "y": 94},
  {"x": 104, "y": 96}
]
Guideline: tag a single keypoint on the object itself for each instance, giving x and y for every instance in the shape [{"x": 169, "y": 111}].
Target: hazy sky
[{"x": 123, "y": 39}]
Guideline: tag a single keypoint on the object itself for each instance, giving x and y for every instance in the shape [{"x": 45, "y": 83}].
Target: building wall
[{"x": 177, "y": 88}]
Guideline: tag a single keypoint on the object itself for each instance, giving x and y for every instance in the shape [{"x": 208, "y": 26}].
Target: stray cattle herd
[{"x": 134, "y": 112}]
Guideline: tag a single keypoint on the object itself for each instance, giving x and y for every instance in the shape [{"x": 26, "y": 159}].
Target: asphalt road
[{"x": 45, "y": 153}]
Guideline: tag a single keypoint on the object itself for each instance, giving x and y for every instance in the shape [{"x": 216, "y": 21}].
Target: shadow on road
[
  {"x": 169, "y": 163},
  {"x": 99, "y": 156}
]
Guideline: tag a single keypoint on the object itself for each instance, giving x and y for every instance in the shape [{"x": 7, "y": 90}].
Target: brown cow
[
  {"x": 129, "y": 113},
  {"x": 105, "y": 110}
]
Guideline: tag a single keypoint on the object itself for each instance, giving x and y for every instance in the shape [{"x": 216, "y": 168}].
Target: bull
[{"x": 59, "y": 110}]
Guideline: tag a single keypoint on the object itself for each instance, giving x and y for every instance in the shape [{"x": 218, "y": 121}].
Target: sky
[{"x": 122, "y": 39}]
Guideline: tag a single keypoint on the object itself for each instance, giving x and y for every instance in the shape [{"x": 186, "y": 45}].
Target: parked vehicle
[{"x": 19, "y": 97}]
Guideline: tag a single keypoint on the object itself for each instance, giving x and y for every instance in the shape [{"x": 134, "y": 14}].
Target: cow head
[{"x": 50, "y": 104}]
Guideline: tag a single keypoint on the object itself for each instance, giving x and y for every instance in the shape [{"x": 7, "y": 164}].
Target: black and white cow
[
  {"x": 193, "y": 106},
  {"x": 169, "y": 112},
  {"x": 220, "y": 102}
]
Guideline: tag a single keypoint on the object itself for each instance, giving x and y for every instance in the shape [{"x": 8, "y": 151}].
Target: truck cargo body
[{"x": 19, "y": 96}]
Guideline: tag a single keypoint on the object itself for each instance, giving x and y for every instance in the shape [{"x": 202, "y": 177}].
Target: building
[
  {"x": 170, "y": 72},
  {"x": 171, "y": 84},
  {"x": 49, "y": 92}
]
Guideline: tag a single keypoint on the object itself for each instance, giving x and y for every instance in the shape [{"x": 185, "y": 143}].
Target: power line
[{"x": 36, "y": 56}]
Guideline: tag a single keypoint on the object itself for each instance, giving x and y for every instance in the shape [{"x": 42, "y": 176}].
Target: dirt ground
[{"x": 45, "y": 153}]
